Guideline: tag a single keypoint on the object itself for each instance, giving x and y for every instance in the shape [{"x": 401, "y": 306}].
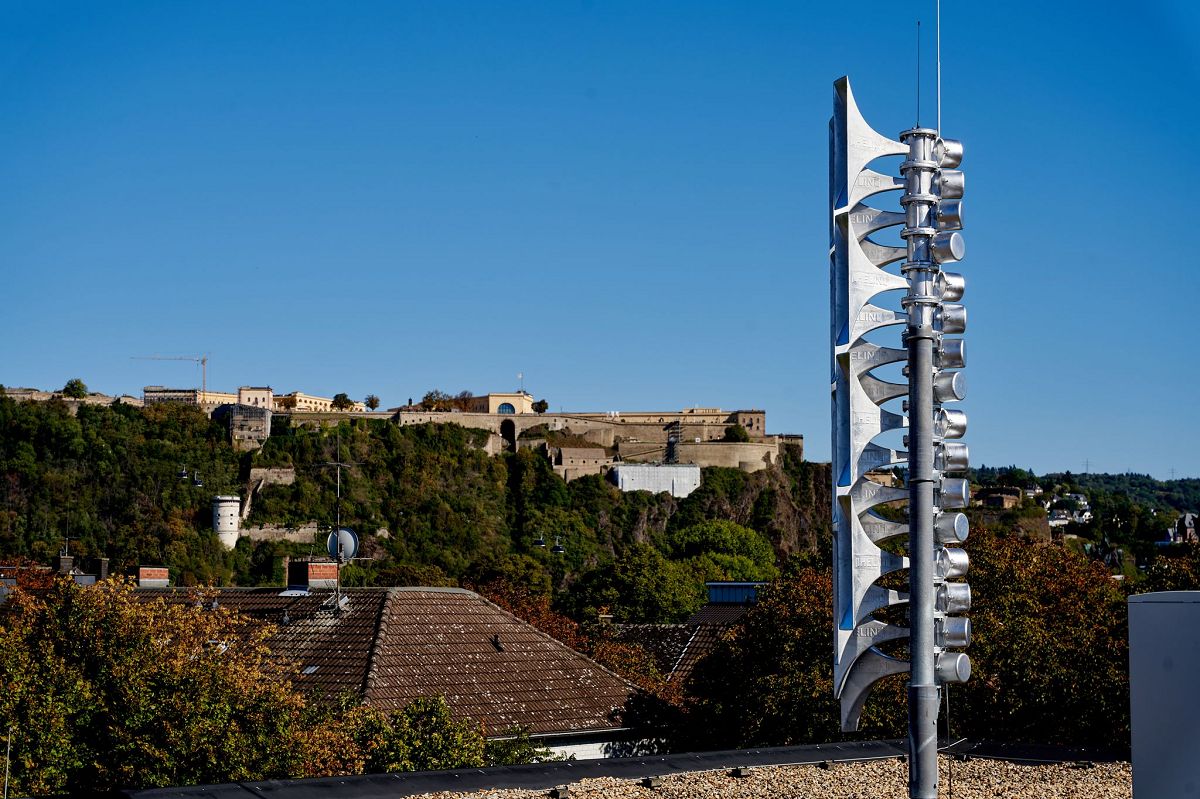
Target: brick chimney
[
  {"x": 307, "y": 575},
  {"x": 153, "y": 577}
]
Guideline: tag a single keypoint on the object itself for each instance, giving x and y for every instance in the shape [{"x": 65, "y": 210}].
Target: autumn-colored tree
[
  {"x": 1049, "y": 657},
  {"x": 534, "y": 608},
  {"x": 104, "y": 691},
  {"x": 436, "y": 400},
  {"x": 372, "y": 401},
  {"x": 1175, "y": 570},
  {"x": 26, "y": 573},
  {"x": 769, "y": 682},
  {"x": 1050, "y": 648}
]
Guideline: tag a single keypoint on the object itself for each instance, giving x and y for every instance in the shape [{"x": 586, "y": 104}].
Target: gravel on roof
[{"x": 878, "y": 779}]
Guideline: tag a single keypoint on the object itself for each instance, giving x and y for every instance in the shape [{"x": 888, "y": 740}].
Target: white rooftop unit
[
  {"x": 1164, "y": 697},
  {"x": 676, "y": 479}
]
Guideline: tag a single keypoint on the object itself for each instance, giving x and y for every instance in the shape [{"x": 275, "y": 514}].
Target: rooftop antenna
[
  {"x": 339, "y": 465},
  {"x": 342, "y": 543},
  {"x": 521, "y": 377}
]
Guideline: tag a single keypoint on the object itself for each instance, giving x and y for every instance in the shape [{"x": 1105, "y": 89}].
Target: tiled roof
[
  {"x": 715, "y": 613},
  {"x": 702, "y": 642},
  {"x": 332, "y": 652},
  {"x": 491, "y": 666},
  {"x": 584, "y": 453},
  {"x": 392, "y": 645},
  {"x": 665, "y": 642},
  {"x": 677, "y": 648}
]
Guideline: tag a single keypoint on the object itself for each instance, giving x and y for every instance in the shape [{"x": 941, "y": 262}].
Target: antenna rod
[
  {"x": 938, "y": 37},
  {"x": 339, "y": 480},
  {"x": 918, "y": 73}
]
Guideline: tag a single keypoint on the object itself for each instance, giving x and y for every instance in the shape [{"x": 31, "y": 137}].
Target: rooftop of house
[
  {"x": 665, "y": 642},
  {"x": 597, "y": 451},
  {"x": 390, "y": 646},
  {"x": 677, "y": 648}
]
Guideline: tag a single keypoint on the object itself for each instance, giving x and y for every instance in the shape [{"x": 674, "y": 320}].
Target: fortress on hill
[
  {"x": 577, "y": 443},
  {"x": 580, "y": 443}
]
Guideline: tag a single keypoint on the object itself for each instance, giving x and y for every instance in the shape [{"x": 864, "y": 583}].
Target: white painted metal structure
[{"x": 676, "y": 479}]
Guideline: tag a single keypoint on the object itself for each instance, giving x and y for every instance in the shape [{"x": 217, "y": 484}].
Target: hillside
[{"x": 110, "y": 479}]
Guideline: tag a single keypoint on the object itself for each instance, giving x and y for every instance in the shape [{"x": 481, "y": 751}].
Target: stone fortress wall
[{"x": 631, "y": 436}]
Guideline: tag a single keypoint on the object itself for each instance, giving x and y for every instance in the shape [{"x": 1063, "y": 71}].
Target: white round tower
[{"x": 227, "y": 519}]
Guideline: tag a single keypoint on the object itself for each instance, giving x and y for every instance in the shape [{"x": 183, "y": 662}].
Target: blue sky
[{"x": 624, "y": 201}]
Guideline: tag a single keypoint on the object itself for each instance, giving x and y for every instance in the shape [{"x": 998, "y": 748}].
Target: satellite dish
[{"x": 342, "y": 544}]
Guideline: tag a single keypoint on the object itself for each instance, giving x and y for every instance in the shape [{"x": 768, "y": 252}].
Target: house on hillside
[
  {"x": 389, "y": 646},
  {"x": 1184, "y": 530},
  {"x": 570, "y": 463}
]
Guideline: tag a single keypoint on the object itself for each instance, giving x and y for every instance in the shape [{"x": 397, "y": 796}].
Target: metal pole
[{"x": 919, "y": 204}]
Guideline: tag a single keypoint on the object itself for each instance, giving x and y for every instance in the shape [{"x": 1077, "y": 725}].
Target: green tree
[
  {"x": 371, "y": 401},
  {"x": 724, "y": 550},
  {"x": 736, "y": 433},
  {"x": 342, "y": 402},
  {"x": 640, "y": 586},
  {"x": 420, "y": 737},
  {"x": 75, "y": 389},
  {"x": 541, "y": 406}
]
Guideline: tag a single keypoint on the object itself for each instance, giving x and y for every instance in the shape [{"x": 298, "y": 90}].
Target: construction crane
[{"x": 200, "y": 359}]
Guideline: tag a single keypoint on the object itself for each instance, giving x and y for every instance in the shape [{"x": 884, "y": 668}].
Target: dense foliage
[
  {"x": 1050, "y": 649},
  {"x": 109, "y": 478},
  {"x": 1049, "y": 657},
  {"x": 112, "y": 480},
  {"x": 104, "y": 691}
]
